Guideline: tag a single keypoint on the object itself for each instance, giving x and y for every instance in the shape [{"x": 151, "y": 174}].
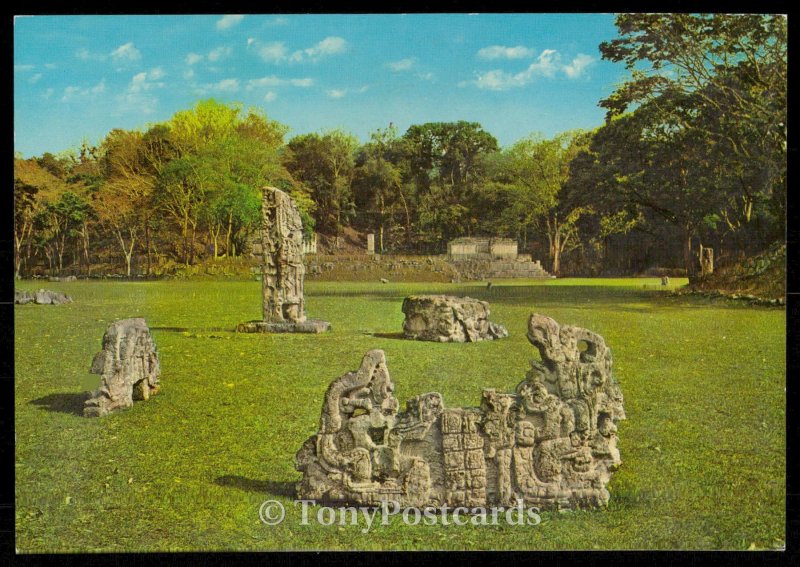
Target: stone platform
[{"x": 307, "y": 326}]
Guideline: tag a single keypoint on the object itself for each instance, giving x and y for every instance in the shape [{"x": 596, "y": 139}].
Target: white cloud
[
  {"x": 219, "y": 53},
  {"x": 401, "y": 65},
  {"x": 279, "y": 21},
  {"x": 156, "y": 73},
  {"x": 49, "y": 65},
  {"x": 227, "y": 85},
  {"x": 85, "y": 55},
  {"x": 48, "y": 93},
  {"x": 24, "y": 67},
  {"x": 426, "y": 76},
  {"x": 192, "y": 58},
  {"x": 278, "y": 52},
  {"x": 136, "y": 102},
  {"x": 35, "y": 79},
  {"x": 126, "y": 52},
  {"x": 578, "y": 65},
  {"x": 547, "y": 64},
  {"x": 331, "y": 45},
  {"x": 274, "y": 81},
  {"x": 270, "y": 96},
  {"x": 273, "y": 52},
  {"x": 340, "y": 93},
  {"x": 503, "y": 52},
  {"x": 146, "y": 81},
  {"x": 73, "y": 93},
  {"x": 498, "y": 80},
  {"x": 188, "y": 74},
  {"x": 228, "y": 21}
]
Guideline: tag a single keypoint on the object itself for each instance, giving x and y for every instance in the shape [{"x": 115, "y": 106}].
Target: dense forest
[{"x": 692, "y": 153}]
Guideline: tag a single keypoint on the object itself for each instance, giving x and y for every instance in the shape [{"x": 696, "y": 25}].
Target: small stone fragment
[{"x": 129, "y": 367}]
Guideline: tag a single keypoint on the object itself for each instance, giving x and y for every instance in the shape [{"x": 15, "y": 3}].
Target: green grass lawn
[{"x": 703, "y": 447}]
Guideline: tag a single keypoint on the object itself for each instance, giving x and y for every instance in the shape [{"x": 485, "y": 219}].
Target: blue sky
[{"x": 78, "y": 77}]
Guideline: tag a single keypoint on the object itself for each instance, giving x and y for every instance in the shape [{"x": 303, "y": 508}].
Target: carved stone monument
[
  {"x": 445, "y": 318},
  {"x": 128, "y": 365},
  {"x": 552, "y": 443},
  {"x": 282, "y": 269},
  {"x": 706, "y": 261}
]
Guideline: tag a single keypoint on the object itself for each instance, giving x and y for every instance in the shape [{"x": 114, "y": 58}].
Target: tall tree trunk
[
  {"x": 147, "y": 245},
  {"x": 380, "y": 232},
  {"x": 193, "y": 240},
  {"x": 28, "y": 253},
  {"x": 556, "y": 253},
  {"x": 689, "y": 257},
  {"x": 77, "y": 255},
  {"x": 60, "y": 251},
  {"x": 85, "y": 239},
  {"x": 228, "y": 250}
]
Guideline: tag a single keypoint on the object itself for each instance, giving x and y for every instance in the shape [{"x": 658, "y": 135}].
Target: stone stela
[
  {"x": 282, "y": 270},
  {"x": 552, "y": 443}
]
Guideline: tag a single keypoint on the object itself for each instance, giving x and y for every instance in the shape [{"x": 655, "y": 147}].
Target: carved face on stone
[
  {"x": 382, "y": 394},
  {"x": 578, "y": 438},
  {"x": 525, "y": 434},
  {"x": 430, "y": 407},
  {"x": 605, "y": 425},
  {"x": 533, "y": 392}
]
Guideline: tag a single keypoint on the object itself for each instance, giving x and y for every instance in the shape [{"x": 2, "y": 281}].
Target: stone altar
[
  {"x": 446, "y": 318},
  {"x": 552, "y": 443},
  {"x": 282, "y": 269},
  {"x": 128, "y": 365}
]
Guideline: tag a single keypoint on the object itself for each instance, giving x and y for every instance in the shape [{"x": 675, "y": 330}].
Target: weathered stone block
[
  {"x": 551, "y": 444},
  {"x": 41, "y": 297},
  {"x": 445, "y": 318},
  {"x": 128, "y": 365}
]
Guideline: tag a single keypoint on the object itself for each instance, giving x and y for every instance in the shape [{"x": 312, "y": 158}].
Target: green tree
[
  {"x": 444, "y": 162},
  {"x": 324, "y": 164},
  {"x": 224, "y": 157},
  {"x": 378, "y": 183},
  {"x": 714, "y": 87},
  {"x": 528, "y": 181},
  {"x": 25, "y": 208}
]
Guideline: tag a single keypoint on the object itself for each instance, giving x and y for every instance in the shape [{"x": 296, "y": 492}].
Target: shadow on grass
[
  {"x": 194, "y": 330},
  {"x": 275, "y": 488},
  {"x": 64, "y": 403},
  {"x": 399, "y": 336}
]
